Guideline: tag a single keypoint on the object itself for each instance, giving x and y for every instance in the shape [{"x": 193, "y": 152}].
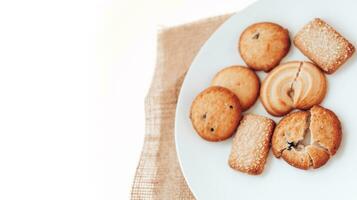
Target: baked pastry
[
  {"x": 307, "y": 139},
  {"x": 242, "y": 81},
  {"x": 263, "y": 45},
  {"x": 324, "y": 45},
  {"x": 215, "y": 113},
  {"x": 293, "y": 85},
  {"x": 251, "y": 144}
]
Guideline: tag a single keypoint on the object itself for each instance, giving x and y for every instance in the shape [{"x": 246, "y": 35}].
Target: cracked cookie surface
[
  {"x": 215, "y": 113},
  {"x": 293, "y": 85},
  {"x": 307, "y": 139}
]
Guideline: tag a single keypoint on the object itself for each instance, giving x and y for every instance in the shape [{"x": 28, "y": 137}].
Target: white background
[{"x": 73, "y": 77}]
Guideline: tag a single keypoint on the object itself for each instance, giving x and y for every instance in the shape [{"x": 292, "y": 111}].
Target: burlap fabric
[{"x": 158, "y": 174}]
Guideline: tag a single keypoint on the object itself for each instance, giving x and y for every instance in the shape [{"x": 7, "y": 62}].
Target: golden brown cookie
[
  {"x": 325, "y": 128},
  {"x": 215, "y": 113},
  {"x": 307, "y": 139},
  {"x": 323, "y": 45},
  {"x": 251, "y": 144},
  {"x": 293, "y": 85},
  {"x": 242, "y": 81},
  {"x": 263, "y": 45}
]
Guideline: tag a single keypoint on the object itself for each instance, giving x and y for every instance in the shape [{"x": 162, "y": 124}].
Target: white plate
[{"x": 204, "y": 164}]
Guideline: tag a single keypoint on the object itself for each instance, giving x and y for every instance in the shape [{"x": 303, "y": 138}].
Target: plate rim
[{"x": 179, "y": 99}]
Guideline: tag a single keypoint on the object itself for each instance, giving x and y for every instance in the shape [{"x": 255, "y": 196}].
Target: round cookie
[
  {"x": 307, "y": 139},
  {"x": 243, "y": 82},
  {"x": 293, "y": 85},
  {"x": 263, "y": 45},
  {"x": 215, "y": 113}
]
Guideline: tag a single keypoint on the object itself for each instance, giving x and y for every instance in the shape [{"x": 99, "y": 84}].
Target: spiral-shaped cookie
[{"x": 293, "y": 85}]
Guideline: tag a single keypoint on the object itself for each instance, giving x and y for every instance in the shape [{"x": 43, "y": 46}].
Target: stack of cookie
[{"x": 306, "y": 138}]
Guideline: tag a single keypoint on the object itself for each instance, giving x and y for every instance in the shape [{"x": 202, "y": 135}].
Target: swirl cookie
[
  {"x": 324, "y": 45},
  {"x": 243, "y": 82},
  {"x": 307, "y": 139},
  {"x": 215, "y": 113},
  {"x": 263, "y": 45},
  {"x": 293, "y": 85},
  {"x": 251, "y": 144}
]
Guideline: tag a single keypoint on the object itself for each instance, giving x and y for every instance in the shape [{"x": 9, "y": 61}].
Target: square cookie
[
  {"x": 251, "y": 144},
  {"x": 324, "y": 45}
]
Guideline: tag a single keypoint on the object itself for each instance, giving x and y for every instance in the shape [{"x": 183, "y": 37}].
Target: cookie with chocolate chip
[
  {"x": 263, "y": 45},
  {"x": 215, "y": 113},
  {"x": 307, "y": 139}
]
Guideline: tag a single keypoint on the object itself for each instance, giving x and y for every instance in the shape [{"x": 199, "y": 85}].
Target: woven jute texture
[{"x": 158, "y": 175}]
